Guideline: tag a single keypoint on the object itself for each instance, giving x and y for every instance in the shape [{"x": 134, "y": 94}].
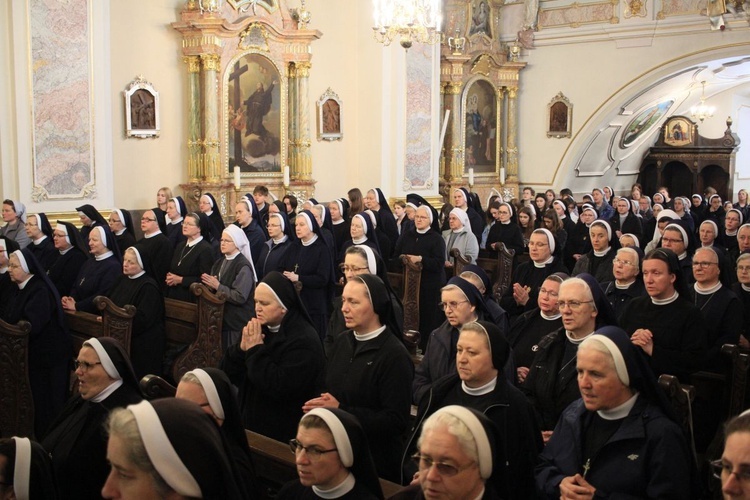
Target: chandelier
[
  {"x": 408, "y": 21},
  {"x": 701, "y": 112}
]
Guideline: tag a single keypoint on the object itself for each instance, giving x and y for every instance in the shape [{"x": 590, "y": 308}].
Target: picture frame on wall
[
  {"x": 141, "y": 109},
  {"x": 559, "y": 117},
  {"x": 480, "y": 128},
  {"x": 329, "y": 117}
]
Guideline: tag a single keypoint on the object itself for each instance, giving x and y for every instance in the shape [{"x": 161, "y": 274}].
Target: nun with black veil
[
  {"x": 308, "y": 261},
  {"x": 333, "y": 459},
  {"x": 339, "y": 210},
  {"x": 424, "y": 244},
  {"x": 191, "y": 258},
  {"x": 248, "y": 219},
  {"x": 35, "y": 300},
  {"x": 280, "y": 237},
  {"x": 176, "y": 212},
  {"x": 211, "y": 389},
  {"x": 90, "y": 217},
  {"x": 155, "y": 245},
  {"x": 97, "y": 275},
  {"x": 25, "y": 470},
  {"x": 621, "y": 439},
  {"x": 278, "y": 363},
  {"x": 376, "y": 201},
  {"x": 168, "y": 448},
  {"x": 137, "y": 288},
  {"x": 369, "y": 372},
  {"x": 362, "y": 232},
  {"x": 73, "y": 254},
  {"x": 39, "y": 231},
  {"x": 121, "y": 224},
  {"x": 7, "y": 287},
  {"x": 207, "y": 204},
  {"x": 75, "y": 440}
]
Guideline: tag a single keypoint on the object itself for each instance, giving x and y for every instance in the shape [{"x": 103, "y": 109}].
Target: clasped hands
[
  {"x": 644, "y": 339},
  {"x": 326, "y": 400}
]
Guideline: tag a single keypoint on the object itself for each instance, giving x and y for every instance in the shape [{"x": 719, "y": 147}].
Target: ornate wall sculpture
[
  {"x": 248, "y": 66},
  {"x": 480, "y": 88}
]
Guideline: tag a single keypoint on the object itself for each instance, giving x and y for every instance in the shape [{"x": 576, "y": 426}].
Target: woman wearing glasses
[
  {"x": 39, "y": 231},
  {"x": 121, "y": 225},
  {"x": 176, "y": 212},
  {"x": 621, "y": 438},
  {"x": 627, "y": 285},
  {"x": 191, "y": 258},
  {"x": 369, "y": 372},
  {"x": 333, "y": 459},
  {"x": 75, "y": 440},
  {"x": 504, "y": 230},
  {"x": 280, "y": 234},
  {"x": 733, "y": 469},
  {"x": 35, "y": 299},
  {"x": 73, "y": 253}
]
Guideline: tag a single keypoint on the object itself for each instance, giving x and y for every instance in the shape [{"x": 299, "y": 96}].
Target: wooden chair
[
  {"x": 681, "y": 396},
  {"x": 117, "y": 322},
  {"x": 16, "y": 401},
  {"x": 195, "y": 328}
]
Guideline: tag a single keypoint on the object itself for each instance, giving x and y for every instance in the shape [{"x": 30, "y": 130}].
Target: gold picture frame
[
  {"x": 141, "y": 109},
  {"x": 559, "y": 117}
]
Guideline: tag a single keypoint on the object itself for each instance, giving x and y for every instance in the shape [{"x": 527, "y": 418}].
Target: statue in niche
[
  {"x": 480, "y": 18},
  {"x": 532, "y": 15}
]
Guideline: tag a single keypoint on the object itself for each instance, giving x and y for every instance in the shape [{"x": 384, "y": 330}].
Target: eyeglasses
[
  {"x": 705, "y": 265},
  {"x": 444, "y": 469},
  {"x": 146, "y": 219},
  {"x": 670, "y": 240},
  {"x": 113, "y": 221},
  {"x": 623, "y": 262},
  {"x": 452, "y": 305},
  {"x": 273, "y": 225},
  {"x": 420, "y": 217},
  {"x": 84, "y": 365},
  {"x": 544, "y": 291},
  {"x": 313, "y": 453},
  {"x": 190, "y": 224},
  {"x": 574, "y": 305},
  {"x": 538, "y": 244},
  {"x": 13, "y": 266},
  {"x": 351, "y": 269},
  {"x": 743, "y": 268},
  {"x": 720, "y": 470},
  {"x": 224, "y": 240},
  {"x": 55, "y": 235}
]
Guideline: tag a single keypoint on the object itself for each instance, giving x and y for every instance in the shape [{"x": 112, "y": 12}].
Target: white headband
[
  {"x": 307, "y": 219},
  {"x": 274, "y": 294},
  {"x": 210, "y": 202},
  {"x": 462, "y": 216},
  {"x": 104, "y": 358},
  {"x": 372, "y": 262},
  {"x": 620, "y": 366},
  {"x": 377, "y": 196},
  {"x": 635, "y": 239},
  {"x": 371, "y": 215},
  {"x": 137, "y": 255},
  {"x": 214, "y": 401},
  {"x": 22, "y": 472},
  {"x": 340, "y": 436},
  {"x": 22, "y": 261},
  {"x": 281, "y": 221},
  {"x": 429, "y": 212},
  {"x": 484, "y": 450},
  {"x": 102, "y": 234},
  {"x": 64, "y": 229},
  {"x": 550, "y": 238},
  {"x": 122, "y": 219},
  {"x": 605, "y": 226},
  {"x": 510, "y": 207},
  {"x": 713, "y": 225},
  {"x": 160, "y": 451},
  {"x": 680, "y": 229},
  {"x": 364, "y": 223}
]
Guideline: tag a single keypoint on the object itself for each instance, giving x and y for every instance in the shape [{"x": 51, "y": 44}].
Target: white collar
[
  {"x": 479, "y": 391},
  {"x": 550, "y": 318},
  {"x": 707, "y": 291},
  {"x": 337, "y": 222},
  {"x": 231, "y": 257},
  {"x": 38, "y": 241},
  {"x": 621, "y": 411},
  {"x": 280, "y": 240},
  {"x": 147, "y": 236},
  {"x": 22, "y": 285},
  {"x": 623, "y": 286},
  {"x": 575, "y": 341},
  {"x": 733, "y": 233},
  {"x": 359, "y": 241},
  {"x": 63, "y": 252},
  {"x": 120, "y": 232},
  {"x": 423, "y": 231},
  {"x": 105, "y": 255},
  {"x": 310, "y": 241},
  {"x": 542, "y": 265},
  {"x": 177, "y": 220},
  {"x": 682, "y": 255},
  {"x": 274, "y": 329},
  {"x": 362, "y": 337},
  {"x": 664, "y": 302},
  {"x": 602, "y": 253},
  {"x": 136, "y": 276},
  {"x": 745, "y": 287},
  {"x": 194, "y": 242},
  {"x": 506, "y": 222},
  {"x": 337, "y": 491},
  {"x": 107, "y": 391}
]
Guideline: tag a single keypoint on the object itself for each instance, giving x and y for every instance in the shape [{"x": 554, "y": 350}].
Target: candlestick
[
  {"x": 236, "y": 177},
  {"x": 286, "y": 176},
  {"x": 471, "y": 177},
  {"x": 502, "y": 175}
]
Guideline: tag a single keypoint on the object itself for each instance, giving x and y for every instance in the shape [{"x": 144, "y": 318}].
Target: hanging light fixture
[
  {"x": 701, "y": 112},
  {"x": 408, "y": 21}
]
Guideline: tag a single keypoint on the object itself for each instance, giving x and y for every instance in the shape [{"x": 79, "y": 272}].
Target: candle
[
  {"x": 237, "y": 177},
  {"x": 471, "y": 176},
  {"x": 502, "y": 175},
  {"x": 286, "y": 176}
]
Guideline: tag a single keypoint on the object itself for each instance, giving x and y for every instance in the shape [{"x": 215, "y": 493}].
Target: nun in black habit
[
  {"x": 387, "y": 220},
  {"x": 137, "y": 288},
  {"x": 340, "y": 222},
  {"x": 121, "y": 224},
  {"x": 75, "y": 440},
  {"x": 279, "y": 363},
  {"x": 191, "y": 258},
  {"x": 309, "y": 262},
  {"x": 97, "y": 275},
  {"x": 27, "y": 470},
  {"x": 211, "y": 389},
  {"x": 177, "y": 447},
  {"x": 36, "y": 300},
  {"x": 7, "y": 287},
  {"x": 279, "y": 242},
  {"x": 176, "y": 211},
  {"x": 40, "y": 232},
  {"x": 247, "y": 218},
  {"x": 598, "y": 261},
  {"x": 155, "y": 245},
  {"x": 208, "y": 206},
  {"x": 351, "y": 470},
  {"x": 90, "y": 217},
  {"x": 361, "y": 232},
  {"x": 73, "y": 254}
]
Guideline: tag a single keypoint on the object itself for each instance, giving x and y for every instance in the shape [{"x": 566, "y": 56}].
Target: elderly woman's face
[
  {"x": 627, "y": 241},
  {"x": 600, "y": 387},
  {"x": 547, "y": 299},
  {"x": 439, "y": 445},
  {"x": 126, "y": 481},
  {"x": 115, "y": 224},
  {"x": 324, "y": 470},
  {"x": 92, "y": 378},
  {"x": 303, "y": 230},
  {"x": 274, "y": 228},
  {"x": 273, "y": 209},
  {"x": 625, "y": 266},
  {"x": 354, "y": 265},
  {"x": 359, "y": 314},
  {"x": 9, "y": 215},
  {"x": 743, "y": 271},
  {"x": 204, "y": 204},
  {"x": 33, "y": 230},
  {"x": 422, "y": 219},
  {"x": 242, "y": 215},
  {"x": 190, "y": 391},
  {"x": 227, "y": 245},
  {"x": 599, "y": 240},
  {"x": 148, "y": 222},
  {"x": 96, "y": 245},
  {"x": 130, "y": 266},
  {"x": 588, "y": 216},
  {"x": 454, "y": 222},
  {"x": 357, "y": 228},
  {"x": 643, "y": 204},
  {"x": 371, "y": 201},
  {"x": 503, "y": 213},
  {"x": 17, "y": 274},
  {"x": 172, "y": 210},
  {"x": 474, "y": 359},
  {"x": 191, "y": 228},
  {"x": 410, "y": 212},
  {"x": 458, "y": 310},
  {"x": 60, "y": 240},
  {"x": 706, "y": 234},
  {"x": 333, "y": 207},
  {"x": 267, "y": 308},
  {"x": 539, "y": 250}
]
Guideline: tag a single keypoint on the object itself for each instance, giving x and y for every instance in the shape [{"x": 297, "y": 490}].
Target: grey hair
[
  {"x": 456, "y": 427},
  {"x": 579, "y": 281}
]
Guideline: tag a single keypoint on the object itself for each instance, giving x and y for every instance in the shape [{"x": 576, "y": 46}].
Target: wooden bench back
[
  {"x": 737, "y": 368},
  {"x": 499, "y": 268},
  {"x": 117, "y": 322},
  {"x": 196, "y": 325},
  {"x": 16, "y": 402},
  {"x": 681, "y": 396}
]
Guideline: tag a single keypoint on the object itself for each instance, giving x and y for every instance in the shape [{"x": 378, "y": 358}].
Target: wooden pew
[
  {"x": 681, "y": 396},
  {"x": 273, "y": 460},
  {"x": 117, "y": 322},
  {"x": 737, "y": 373},
  {"x": 196, "y": 327},
  {"x": 499, "y": 269},
  {"x": 16, "y": 402}
]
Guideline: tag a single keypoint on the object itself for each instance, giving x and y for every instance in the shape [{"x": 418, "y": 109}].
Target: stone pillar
[
  {"x": 512, "y": 146},
  {"x": 293, "y": 131},
  {"x": 454, "y": 148},
  {"x": 211, "y": 160},
  {"x": 194, "y": 119},
  {"x": 303, "y": 159}
]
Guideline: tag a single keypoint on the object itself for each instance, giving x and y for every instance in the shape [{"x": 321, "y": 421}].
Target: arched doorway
[
  {"x": 678, "y": 177},
  {"x": 716, "y": 177},
  {"x": 648, "y": 178}
]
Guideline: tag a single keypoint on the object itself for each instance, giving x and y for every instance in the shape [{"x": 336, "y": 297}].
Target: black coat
[
  {"x": 190, "y": 262},
  {"x": 510, "y": 234},
  {"x": 64, "y": 271},
  {"x": 45, "y": 252},
  {"x": 619, "y": 297},
  {"x": 631, "y": 225},
  {"x": 372, "y": 381},
  {"x": 271, "y": 257},
  {"x": 599, "y": 267},
  {"x": 95, "y": 278},
  {"x": 527, "y": 274},
  {"x": 77, "y": 443},
  {"x": 158, "y": 256},
  {"x": 277, "y": 377}
]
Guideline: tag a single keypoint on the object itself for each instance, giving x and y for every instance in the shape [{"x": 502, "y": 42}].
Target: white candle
[
  {"x": 502, "y": 175},
  {"x": 286, "y": 176},
  {"x": 237, "y": 177},
  {"x": 471, "y": 176}
]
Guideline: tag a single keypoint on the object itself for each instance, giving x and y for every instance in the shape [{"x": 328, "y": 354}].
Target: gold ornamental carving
[
  {"x": 634, "y": 8},
  {"x": 453, "y": 88},
  {"x": 303, "y": 69},
  {"x": 210, "y": 62},
  {"x": 512, "y": 92},
  {"x": 194, "y": 63},
  {"x": 483, "y": 65},
  {"x": 255, "y": 36}
]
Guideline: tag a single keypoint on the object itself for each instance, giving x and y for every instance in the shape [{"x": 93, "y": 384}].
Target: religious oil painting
[
  {"x": 329, "y": 116},
  {"x": 481, "y": 18},
  {"x": 141, "y": 109},
  {"x": 678, "y": 131},
  {"x": 480, "y": 127},
  {"x": 254, "y": 115},
  {"x": 642, "y": 123},
  {"x": 560, "y": 117}
]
